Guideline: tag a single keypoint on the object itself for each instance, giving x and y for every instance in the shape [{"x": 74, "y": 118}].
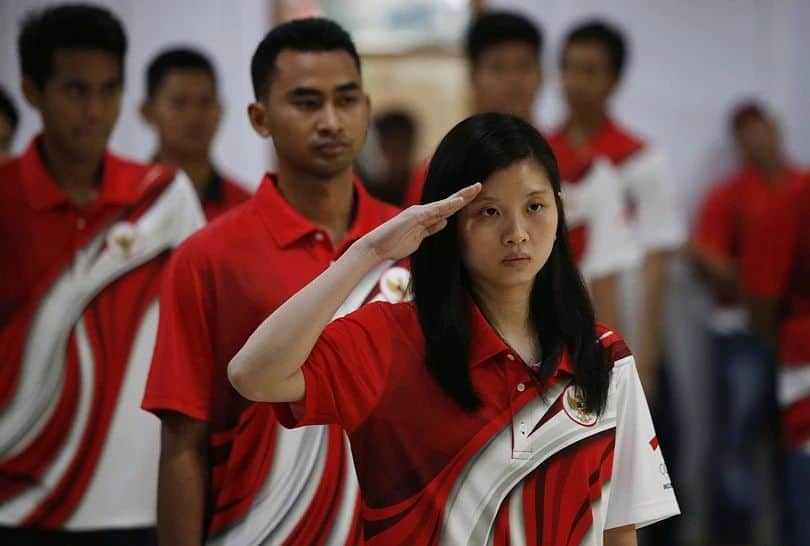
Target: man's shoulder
[{"x": 621, "y": 144}]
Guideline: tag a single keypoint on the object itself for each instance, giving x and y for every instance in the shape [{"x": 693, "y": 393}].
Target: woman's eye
[
  {"x": 489, "y": 211},
  {"x": 535, "y": 207}
]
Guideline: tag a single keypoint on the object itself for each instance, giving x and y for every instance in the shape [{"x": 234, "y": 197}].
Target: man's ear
[
  {"x": 257, "y": 114},
  {"x": 32, "y": 93}
]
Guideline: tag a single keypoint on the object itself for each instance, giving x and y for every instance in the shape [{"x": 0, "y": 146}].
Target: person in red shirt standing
[
  {"x": 86, "y": 236},
  {"x": 504, "y": 53},
  {"x": 228, "y": 473},
  {"x": 493, "y": 409},
  {"x": 182, "y": 105},
  {"x": 733, "y": 228},
  {"x": 592, "y": 63},
  {"x": 777, "y": 287}
]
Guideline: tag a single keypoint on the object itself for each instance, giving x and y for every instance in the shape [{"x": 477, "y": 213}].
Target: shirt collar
[
  {"x": 214, "y": 189},
  {"x": 606, "y": 129},
  {"x": 287, "y": 225},
  {"x": 42, "y": 192},
  {"x": 487, "y": 344}
]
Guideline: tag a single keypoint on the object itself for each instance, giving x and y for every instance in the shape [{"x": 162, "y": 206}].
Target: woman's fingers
[
  {"x": 436, "y": 227},
  {"x": 452, "y": 204}
]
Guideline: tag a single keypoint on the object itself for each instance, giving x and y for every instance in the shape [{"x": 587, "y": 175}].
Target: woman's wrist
[{"x": 363, "y": 255}]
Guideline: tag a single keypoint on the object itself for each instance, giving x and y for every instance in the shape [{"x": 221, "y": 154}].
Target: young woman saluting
[{"x": 493, "y": 409}]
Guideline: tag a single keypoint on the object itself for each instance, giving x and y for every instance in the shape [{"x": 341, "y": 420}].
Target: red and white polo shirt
[
  {"x": 646, "y": 181},
  {"x": 526, "y": 468},
  {"x": 78, "y": 316},
  {"x": 266, "y": 484}
]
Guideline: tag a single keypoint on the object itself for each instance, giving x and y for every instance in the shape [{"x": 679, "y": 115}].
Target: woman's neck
[{"x": 509, "y": 313}]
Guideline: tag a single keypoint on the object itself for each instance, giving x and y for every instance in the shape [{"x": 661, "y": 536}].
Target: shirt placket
[{"x": 517, "y": 383}]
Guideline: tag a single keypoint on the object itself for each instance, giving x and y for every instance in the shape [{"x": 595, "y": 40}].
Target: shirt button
[
  {"x": 318, "y": 236},
  {"x": 81, "y": 223},
  {"x": 521, "y": 387},
  {"x": 510, "y": 356}
]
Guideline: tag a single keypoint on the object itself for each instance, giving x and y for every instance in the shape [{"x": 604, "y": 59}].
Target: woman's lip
[{"x": 517, "y": 260}]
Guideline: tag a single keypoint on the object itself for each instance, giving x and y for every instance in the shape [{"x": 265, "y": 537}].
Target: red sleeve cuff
[
  {"x": 316, "y": 408},
  {"x": 156, "y": 404}
]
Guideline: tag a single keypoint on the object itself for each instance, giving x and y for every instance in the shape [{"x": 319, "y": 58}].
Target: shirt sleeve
[
  {"x": 713, "y": 234},
  {"x": 641, "y": 490},
  {"x": 611, "y": 247},
  {"x": 346, "y": 371},
  {"x": 182, "y": 369},
  {"x": 659, "y": 218}
]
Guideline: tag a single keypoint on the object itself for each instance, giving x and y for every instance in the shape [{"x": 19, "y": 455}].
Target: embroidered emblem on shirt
[
  {"x": 123, "y": 240},
  {"x": 574, "y": 406},
  {"x": 395, "y": 285}
]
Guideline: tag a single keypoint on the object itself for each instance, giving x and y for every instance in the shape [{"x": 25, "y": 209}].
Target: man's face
[
  {"x": 759, "y": 142},
  {"x": 588, "y": 78},
  {"x": 316, "y": 111},
  {"x": 6, "y": 137},
  {"x": 506, "y": 79},
  {"x": 185, "y": 112},
  {"x": 80, "y": 102}
]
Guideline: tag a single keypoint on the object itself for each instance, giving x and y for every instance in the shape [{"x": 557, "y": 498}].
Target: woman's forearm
[
  {"x": 262, "y": 368},
  {"x": 267, "y": 367}
]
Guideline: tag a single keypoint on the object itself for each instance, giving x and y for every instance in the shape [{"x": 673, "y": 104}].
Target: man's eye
[
  {"x": 75, "y": 89},
  {"x": 307, "y": 104}
]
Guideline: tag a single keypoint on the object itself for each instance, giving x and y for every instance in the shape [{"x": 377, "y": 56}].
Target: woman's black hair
[{"x": 560, "y": 307}]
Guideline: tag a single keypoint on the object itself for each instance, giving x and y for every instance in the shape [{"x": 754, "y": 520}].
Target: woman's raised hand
[{"x": 401, "y": 235}]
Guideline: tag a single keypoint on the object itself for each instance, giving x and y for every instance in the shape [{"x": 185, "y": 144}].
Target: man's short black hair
[
  {"x": 67, "y": 26},
  {"x": 603, "y": 34},
  {"x": 8, "y": 110},
  {"x": 311, "y": 34},
  {"x": 746, "y": 112},
  {"x": 176, "y": 58},
  {"x": 496, "y": 27},
  {"x": 395, "y": 121}
]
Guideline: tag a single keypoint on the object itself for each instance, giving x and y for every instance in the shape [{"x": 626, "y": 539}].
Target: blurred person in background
[
  {"x": 86, "y": 235},
  {"x": 182, "y": 105},
  {"x": 727, "y": 246},
  {"x": 504, "y": 53},
  {"x": 386, "y": 175},
  {"x": 9, "y": 120},
  {"x": 229, "y": 474},
  {"x": 777, "y": 289},
  {"x": 594, "y": 56}
]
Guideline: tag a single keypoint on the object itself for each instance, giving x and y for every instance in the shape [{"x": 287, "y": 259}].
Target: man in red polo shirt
[
  {"x": 730, "y": 246},
  {"x": 592, "y": 61},
  {"x": 183, "y": 107},
  {"x": 228, "y": 473},
  {"x": 504, "y": 52},
  {"x": 777, "y": 286},
  {"x": 86, "y": 235}
]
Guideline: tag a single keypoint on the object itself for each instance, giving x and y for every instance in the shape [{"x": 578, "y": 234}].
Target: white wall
[
  {"x": 227, "y": 30},
  {"x": 689, "y": 63}
]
